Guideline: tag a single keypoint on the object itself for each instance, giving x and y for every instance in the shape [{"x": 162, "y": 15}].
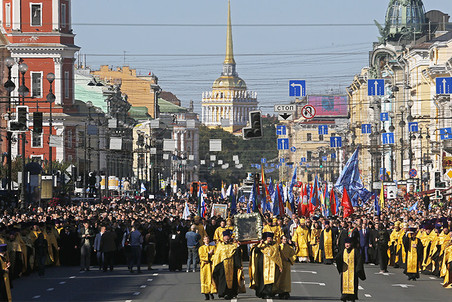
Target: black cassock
[
  {"x": 176, "y": 252},
  {"x": 358, "y": 273},
  {"x": 220, "y": 278}
]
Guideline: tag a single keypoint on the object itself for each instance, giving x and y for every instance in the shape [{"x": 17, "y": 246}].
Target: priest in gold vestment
[
  {"x": 350, "y": 265},
  {"x": 414, "y": 254},
  {"x": 227, "y": 262},
  {"x": 265, "y": 267}
]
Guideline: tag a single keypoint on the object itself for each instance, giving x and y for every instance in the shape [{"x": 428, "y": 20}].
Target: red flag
[
  {"x": 346, "y": 204},
  {"x": 311, "y": 206},
  {"x": 304, "y": 206},
  {"x": 333, "y": 202}
]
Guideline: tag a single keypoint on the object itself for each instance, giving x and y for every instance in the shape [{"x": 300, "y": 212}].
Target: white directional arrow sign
[
  {"x": 403, "y": 285},
  {"x": 298, "y": 85}
]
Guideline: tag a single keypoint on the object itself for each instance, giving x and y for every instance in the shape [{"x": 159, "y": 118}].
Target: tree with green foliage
[{"x": 248, "y": 151}]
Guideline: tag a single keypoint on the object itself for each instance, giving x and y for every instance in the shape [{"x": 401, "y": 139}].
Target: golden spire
[{"x": 229, "y": 48}]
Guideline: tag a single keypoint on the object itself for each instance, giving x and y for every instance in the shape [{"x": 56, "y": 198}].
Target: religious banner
[{"x": 220, "y": 210}]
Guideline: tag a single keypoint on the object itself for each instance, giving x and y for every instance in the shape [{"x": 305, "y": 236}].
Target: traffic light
[
  {"x": 37, "y": 122},
  {"x": 255, "y": 129},
  {"x": 438, "y": 182},
  {"x": 20, "y": 124}
]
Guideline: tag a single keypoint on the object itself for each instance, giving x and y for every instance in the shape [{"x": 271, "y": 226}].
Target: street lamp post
[
  {"x": 402, "y": 127},
  {"x": 89, "y": 105},
  {"x": 23, "y": 92},
  {"x": 410, "y": 119},
  {"x": 9, "y": 86},
  {"x": 50, "y": 99}
]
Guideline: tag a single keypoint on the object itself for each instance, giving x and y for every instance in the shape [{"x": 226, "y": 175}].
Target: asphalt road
[{"x": 310, "y": 282}]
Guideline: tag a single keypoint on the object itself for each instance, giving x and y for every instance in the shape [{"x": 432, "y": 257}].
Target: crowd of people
[{"x": 142, "y": 232}]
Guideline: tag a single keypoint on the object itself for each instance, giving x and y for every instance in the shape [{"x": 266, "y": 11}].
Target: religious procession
[{"x": 279, "y": 225}]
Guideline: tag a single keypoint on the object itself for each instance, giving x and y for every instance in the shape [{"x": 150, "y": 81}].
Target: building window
[
  {"x": 8, "y": 14},
  {"x": 69, "y": 139},
  {"x": 309, "y": 137},
  {"x": 320, "y": 137},
  {"x": 36, "y": 158},
  {"x": 63, "y": 19},
  {"x": 36, "y": 84},
  {"x": 36, "y": 14},
  {"x": 36, "y": 141},
  {"x": 310, "y": 178},
  {"x": 66, "y": 84},
  {"x": 69, "y": 158},
  {"x": 309, "y": 155}
]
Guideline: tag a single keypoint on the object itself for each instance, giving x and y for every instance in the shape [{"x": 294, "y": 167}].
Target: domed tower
[
  {"x": 405, "y": 20},
  {"x": 229, "y": 102}
]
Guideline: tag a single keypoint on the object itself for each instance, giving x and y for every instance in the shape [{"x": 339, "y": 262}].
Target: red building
[{"x": 39, "y": 34}]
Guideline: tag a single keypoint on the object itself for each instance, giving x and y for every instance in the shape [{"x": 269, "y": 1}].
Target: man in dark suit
[
  {"x": 108, "y": 248},
  {"x": 86, "y": 235},
  {"x": 364, "y": 242}
]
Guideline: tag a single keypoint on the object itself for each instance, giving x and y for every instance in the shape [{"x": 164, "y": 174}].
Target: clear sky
[{"x": 268, "y": 56}]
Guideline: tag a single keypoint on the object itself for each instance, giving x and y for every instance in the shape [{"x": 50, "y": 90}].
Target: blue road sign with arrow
[
  {"x": 293, "y": 149},
  {"x": 297, "y": 88},
  {"x": 303, "y": 159},
  {"x": 366, "y": 128},
  {"x": 281, "y": 130},
  {"x": 444, "y": 85},
  {"x": 384, "y": 116},
  {"x": 413, "y": 127},
  {"x": 445, "y": 133},
  {"x": 388, "y": 138},
  {"x": 335, "y": 142},
  {"x": 323, "y": 129},
  {"x": 283, "y": 144},
  {"x": 376, "y": 87}
]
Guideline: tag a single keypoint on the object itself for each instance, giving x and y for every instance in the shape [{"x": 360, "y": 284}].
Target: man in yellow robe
[
  {"x": 326, "y": 245},
  {"x": 413, "y": 258},
  {"x": 395, "y": 245},
  {"x": 199, "y": 228},
  {"x": 206, "y": 252},
  {"x": 5, "y": 288},
  {"x": 265, "y": 267},
  {"x": 314, "y": 243},
  {"x": 446, "y": 270},
  {"x": 350, "y": 266},
  {"x": 285, "y": 280},
  {"x": 218, "y": 235},
  {"x": 227, "y": 262},
  {"x": 301, "y": 239}
]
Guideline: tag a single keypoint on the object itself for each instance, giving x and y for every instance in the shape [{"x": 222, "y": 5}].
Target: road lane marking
[
  {"x": 384, "y": 274},
  {"x": 150, "y": 280},
  {"x": 156, "y": 274},
  {"x": 403, "y": 285},
  {"x": 432, "y": 278},
  {"x": 50, "y": 289},
  {"x": 62, "y": 282},
  {"x": 312, "y": 283},
  {"x": 143, "y": 286},
  {"x": 36, "y": 297},
  {"x": 234, "y": 300},
  {"x": 360, "y": 287},
  {"x": 367, "y": 296},
  {"x": 269, "y": 300},
  {"x": 310, "y": 272},
  {"x": 128, "y": 300},
  {"x": 72, "y": 277}
]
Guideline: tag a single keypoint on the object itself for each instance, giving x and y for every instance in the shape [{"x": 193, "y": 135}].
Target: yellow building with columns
[{"x": 229, "y": 102}]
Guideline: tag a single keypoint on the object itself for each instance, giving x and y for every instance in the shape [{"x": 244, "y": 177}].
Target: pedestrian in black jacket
[{"x": 108, "y": 247}]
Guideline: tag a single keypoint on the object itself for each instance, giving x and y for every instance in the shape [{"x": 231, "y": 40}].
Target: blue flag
[
  {"x": 290, "y": 192},
  {"x": 413, "y": 207},
  {"x": 253, "y": 198},
  {"x": 351, "y": 180},
  {"x": 376, "y": 205}
]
